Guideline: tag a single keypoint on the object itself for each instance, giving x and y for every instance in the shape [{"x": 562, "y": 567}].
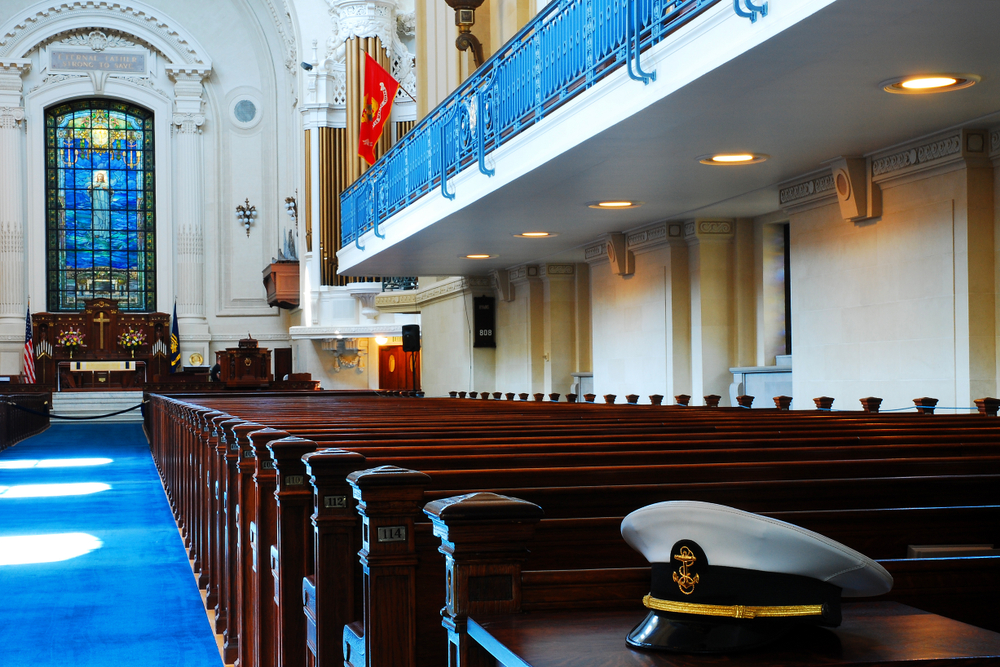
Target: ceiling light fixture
[
  {"x": 534, "y": 235},
  {"x": 615, "y": 204},
  {"x": 929, "y": 83},
  {"x": 732, "y": 159},
  {"x": 478, "y": 256}
]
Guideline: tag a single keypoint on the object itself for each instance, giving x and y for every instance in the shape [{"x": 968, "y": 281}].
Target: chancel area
[{"x": 736, "y": 252}]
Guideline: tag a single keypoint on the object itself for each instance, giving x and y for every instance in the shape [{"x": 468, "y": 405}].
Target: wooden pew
[
  {"x": 279, "y": 579},
  {"x": 485, "y": 540}
]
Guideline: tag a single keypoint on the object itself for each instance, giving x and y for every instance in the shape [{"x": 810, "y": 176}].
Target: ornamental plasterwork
[
  {"x": 10, "y": 117},
  {"x": 145, "y": 83},
  {"x": 522, "y": 272},
  {"x": 806, "y": 189},
  {"x": 367, "y": 18},
  {"x": 647, "y": 237},
  {"x": 711, "y": 227},
  {"x": 361, "y": 18},
  {"x": 557, "y": 269},
  {"x": 56, "y": 78},
  {"x": 406, "y": 24},
  {"x": 596, "y": 252},
  {"x": 702, "y": 229},
  {"x": 287, "y": 40},
  {"x": 143, "y": 22},
  {"x": 921, "y": 154},
  {"x": 408, "y": 298},
  {"x": 188, "y": 123},
  {"x": 98, "y": 41}
]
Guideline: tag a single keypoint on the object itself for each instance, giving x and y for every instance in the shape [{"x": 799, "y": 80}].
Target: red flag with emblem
[{"x": 380, "y": 91}]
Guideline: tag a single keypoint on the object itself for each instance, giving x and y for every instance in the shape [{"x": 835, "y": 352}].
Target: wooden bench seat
[{"x": 583, "y": 462}]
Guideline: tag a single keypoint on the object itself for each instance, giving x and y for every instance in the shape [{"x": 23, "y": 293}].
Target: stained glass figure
[{"x": 100, "y": 208}]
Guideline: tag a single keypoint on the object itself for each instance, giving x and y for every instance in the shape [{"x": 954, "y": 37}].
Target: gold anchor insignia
[{"x": 682, "y": 577}]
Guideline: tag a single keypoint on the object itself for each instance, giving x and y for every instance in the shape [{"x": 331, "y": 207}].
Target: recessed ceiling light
[
  {"x": 478, "y": 256},
  {"x": 929, "y": 83},
  {"x": 615, "y": 204},
  {"x": 730, "y": 159},
  {"x": 535, "y": 235}
]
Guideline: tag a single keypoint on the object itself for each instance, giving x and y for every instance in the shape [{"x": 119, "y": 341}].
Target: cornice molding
[
  {"x": 918, "y": 155},
  {"x": 401, "y": 302},
  {"x": 813, "y": 191},
  {"x": 349, "y": 331},
  {"x": 520, "y": 275},
  {"x": 219, "y": 338},
  {"x": 597, "y": 253}
]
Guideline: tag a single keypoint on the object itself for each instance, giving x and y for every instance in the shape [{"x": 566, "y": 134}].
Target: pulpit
[
  {"x": 101, "y": 326},
  {"x": 246, "y": 366}
]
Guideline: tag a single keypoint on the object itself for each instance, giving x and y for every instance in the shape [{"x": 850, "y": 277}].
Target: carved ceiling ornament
[
  {"x": 44, "y": 22},
  {"x": 371, "y": 18}
]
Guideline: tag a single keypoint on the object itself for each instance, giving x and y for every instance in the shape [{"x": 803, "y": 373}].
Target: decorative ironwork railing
[{"x": 565, "y": 50}]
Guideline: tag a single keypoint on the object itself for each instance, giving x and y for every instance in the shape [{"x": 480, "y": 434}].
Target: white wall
[
  {"x": 630, "y": 320},
  {"x": 882, "y": 308}
]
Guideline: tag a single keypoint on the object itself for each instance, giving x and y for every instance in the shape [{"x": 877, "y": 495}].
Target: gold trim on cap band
[{"x": 732, "y": 611}]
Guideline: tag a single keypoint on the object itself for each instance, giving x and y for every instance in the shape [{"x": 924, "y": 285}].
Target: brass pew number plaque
[
  {"x": 335, "y": 502},
  {"x": 391, "y": 534}
]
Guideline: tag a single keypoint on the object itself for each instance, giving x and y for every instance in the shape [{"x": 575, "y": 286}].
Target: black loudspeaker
[{"x": 411, "y": 338}]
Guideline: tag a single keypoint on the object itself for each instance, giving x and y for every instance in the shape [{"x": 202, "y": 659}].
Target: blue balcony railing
[{"x": 565, "y": 50}]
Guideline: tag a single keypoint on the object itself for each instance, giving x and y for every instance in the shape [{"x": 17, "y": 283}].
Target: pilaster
[
  {"x": 12, "y": 289},
  {"x": 710, "y": 266},
  {"x": 559, "y": 330},
  {"x": 529, "y": 288},
  {"x": 189, "y": 202}
]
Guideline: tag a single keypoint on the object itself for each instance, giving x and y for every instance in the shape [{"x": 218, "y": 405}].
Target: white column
[
  {"x": 189, "y": 201},
  {"x": 12, "y": 296},
  {"x": 12, "y": 227}
]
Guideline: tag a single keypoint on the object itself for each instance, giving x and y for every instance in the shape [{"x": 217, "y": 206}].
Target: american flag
[{"x": 29, "y": 352}]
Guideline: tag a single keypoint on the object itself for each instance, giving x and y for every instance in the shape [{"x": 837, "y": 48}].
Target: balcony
[{"x": 563, "y": 115}]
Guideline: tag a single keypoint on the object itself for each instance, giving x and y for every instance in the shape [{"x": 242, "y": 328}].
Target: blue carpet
[{"x": 131, "y": 601}]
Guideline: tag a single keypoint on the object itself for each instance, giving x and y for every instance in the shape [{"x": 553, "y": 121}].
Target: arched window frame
[{"x": 100, "y": 246}]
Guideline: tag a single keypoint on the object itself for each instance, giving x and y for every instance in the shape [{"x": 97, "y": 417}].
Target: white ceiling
[{"x": 804, "y": 96}]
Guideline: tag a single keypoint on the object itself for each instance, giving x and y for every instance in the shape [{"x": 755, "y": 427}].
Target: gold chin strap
[{"x": 732, "y": 611}]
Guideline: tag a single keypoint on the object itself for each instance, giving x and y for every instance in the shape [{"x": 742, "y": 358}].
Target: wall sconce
[
  {"x": 465, "y": 17},
  {"x": 245, "y": 214}
]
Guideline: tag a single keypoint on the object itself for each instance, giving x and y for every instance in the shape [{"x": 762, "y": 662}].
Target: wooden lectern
[{"x": 246, "y": 366}]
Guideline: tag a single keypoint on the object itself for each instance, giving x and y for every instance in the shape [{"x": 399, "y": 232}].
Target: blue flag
[{"x": 175, "y": 344}]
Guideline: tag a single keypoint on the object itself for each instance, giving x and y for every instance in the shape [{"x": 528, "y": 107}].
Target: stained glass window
[{"x": 100, "y": 208}]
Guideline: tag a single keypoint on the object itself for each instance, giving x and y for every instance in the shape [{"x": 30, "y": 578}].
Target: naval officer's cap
[{"x": 725, "y": 580}]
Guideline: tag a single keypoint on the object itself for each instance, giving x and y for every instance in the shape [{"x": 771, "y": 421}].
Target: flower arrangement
[
  {"x": 70, "y": 338},
  {"x": 132, "y": 338}
]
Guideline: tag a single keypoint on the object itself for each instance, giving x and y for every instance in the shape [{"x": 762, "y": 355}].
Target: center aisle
[{"x": 92, "y": 569}]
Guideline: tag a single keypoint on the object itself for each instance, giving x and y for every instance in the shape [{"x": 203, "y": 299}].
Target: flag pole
[{"x": 404, "y": 90}]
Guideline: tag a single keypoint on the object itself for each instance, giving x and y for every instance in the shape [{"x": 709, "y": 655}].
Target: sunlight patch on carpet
[
  {"x": 22, "y": 464},
  {"x": 51, "y": 548},
  {"x": 52, "y": 490}
]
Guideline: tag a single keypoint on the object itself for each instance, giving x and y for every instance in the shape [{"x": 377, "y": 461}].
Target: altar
[{"x": 115, "y": 351}]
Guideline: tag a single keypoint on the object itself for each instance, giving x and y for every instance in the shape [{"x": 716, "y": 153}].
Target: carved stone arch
[
  {"x": 89, "y": 35},
  {"x": 38, "y": 24}
]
